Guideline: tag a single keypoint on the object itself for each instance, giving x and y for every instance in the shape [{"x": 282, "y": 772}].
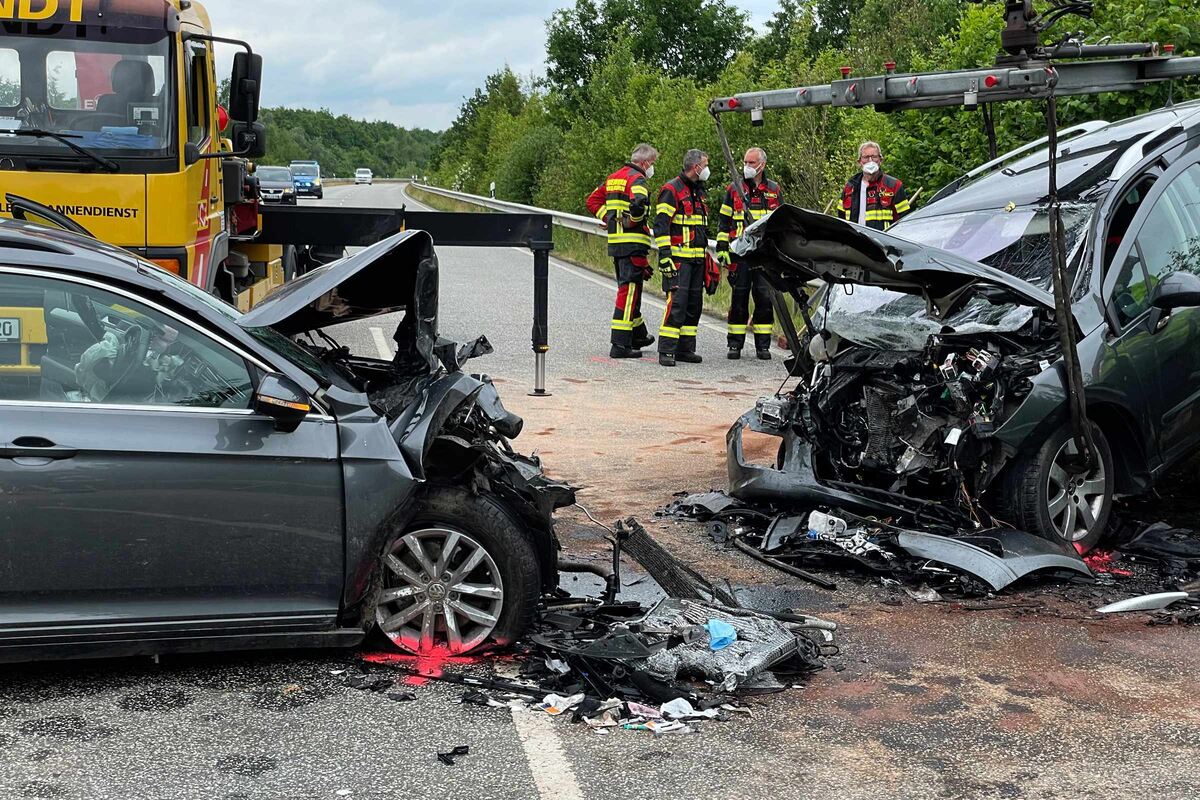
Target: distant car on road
[
  {"x": 308, "y": 179},
  {"x": 182, "y": 477},
  {"x": 363, "y": 175},
  {"x": 276, "y": 185}
]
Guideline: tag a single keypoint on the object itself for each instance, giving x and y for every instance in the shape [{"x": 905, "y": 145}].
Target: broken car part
[
  {"x": 1147, "y": 602},
  {"x": 1019, "y": 554}
]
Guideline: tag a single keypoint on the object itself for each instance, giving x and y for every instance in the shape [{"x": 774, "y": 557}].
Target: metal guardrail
[{"x": 575, "y": 222}]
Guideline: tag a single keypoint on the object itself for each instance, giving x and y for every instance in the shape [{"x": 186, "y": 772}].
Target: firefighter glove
[
  {"x": 724, "y": 259},
  {"x": 670, "y": 275}
]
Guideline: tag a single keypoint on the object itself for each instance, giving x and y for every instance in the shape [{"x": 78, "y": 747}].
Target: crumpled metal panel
[{"x": 1024, "y": 553}]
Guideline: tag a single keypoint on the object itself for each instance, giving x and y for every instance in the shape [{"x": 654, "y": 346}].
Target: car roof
[
  {"x": 25, "y": 244},
  {"x": 1087, "y": 162}
]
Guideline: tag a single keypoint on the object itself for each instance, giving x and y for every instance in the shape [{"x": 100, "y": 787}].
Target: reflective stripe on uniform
[
  {"x": 629, "y": 237},
  {"x": 662, "y": 242},
  {"x": 688, "y": 330},
  {"x": 668, "y": 333},
  {"x": 666, "y": 208},
  {"x": 761, "y": 329},
  {"x": 678, "y": 251},
  {"x": 737, "y": 330},
  {"x": 903, "y": 207}
]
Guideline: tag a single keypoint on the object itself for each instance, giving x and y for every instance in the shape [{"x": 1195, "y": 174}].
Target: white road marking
[
  {"x": 552, "y": 772},
  {"x": 381, "y": 344}
]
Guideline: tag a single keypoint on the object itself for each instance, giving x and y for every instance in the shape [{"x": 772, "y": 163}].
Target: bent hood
[
  {"x": 794, "y": 246},
  {"x": 395, "y": 274}
]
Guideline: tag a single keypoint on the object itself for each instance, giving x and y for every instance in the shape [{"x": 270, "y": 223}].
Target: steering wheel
[
  {"x": 136, "y": 342},
  {"x": 87, "y": 315}
]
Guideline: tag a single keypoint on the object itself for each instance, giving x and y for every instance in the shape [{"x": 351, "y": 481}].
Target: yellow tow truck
[
  {"x": 110, "y": 126},
  {"x": 109, "y": 123}
]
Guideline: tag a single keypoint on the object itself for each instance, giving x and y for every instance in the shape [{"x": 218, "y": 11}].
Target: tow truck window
[
  {"x": 108, "y": 87},
  {"x": 196, "y": 65},
  {"x": 10, "y": 78}
]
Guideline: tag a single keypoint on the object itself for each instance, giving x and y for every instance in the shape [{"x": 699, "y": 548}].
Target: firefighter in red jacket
[
  {"x": 762, "y": 195},
  {"x": 872, "y": 197},
  {"x": 681, "y": 236},
  {"x": 625, "y": 213}
]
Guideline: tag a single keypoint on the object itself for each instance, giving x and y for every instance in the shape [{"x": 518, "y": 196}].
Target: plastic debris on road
[{"x": 448, "y": 758}]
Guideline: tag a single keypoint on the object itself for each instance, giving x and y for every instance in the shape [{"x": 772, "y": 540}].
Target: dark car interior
[{"x": 105, "y": 348}]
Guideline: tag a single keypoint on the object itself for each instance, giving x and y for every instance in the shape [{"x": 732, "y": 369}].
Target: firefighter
[
  {"x": 625, "y": 212},
  {"x": 681, "y": 236},
  {"x": 872, "y": 197},
  {"x": 762, "y": 195}
]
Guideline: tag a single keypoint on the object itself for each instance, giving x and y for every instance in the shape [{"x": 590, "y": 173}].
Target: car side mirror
[
  {"x": 1177, "y": 290},
  {"x": 281, "y": 399}
]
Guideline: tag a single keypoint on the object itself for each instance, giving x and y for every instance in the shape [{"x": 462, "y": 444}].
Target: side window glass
[
  {"x": 10, "y": 78},
  {"x": 1167, "y": 242},
  {"x": 1123, "y": 215},
  {"x": 197, "y": 94},
  {"x": 101, "y": 347},
  {"x": 1130, "y": 292}
]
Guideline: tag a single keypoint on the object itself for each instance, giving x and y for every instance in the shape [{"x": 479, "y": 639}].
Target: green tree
[{"x": 684, "y": 38}]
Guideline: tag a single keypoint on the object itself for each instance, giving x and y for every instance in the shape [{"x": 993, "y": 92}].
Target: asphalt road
[{"x": 925, "y": 702}]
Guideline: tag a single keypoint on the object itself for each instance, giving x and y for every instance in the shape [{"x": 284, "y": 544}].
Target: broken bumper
[{"x": 792, "y": 481}]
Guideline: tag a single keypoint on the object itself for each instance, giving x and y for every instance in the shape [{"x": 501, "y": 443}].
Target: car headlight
[
  {"x": 289, "y": 191},
  {"x": 317, "y": 182}
]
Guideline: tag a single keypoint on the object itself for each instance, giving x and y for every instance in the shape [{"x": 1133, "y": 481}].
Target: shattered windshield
[{"x": 1016, "y": 242}]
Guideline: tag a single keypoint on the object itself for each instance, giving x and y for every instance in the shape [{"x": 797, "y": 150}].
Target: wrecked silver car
[
  {"x": 931, "y": 385},
  {"x": 179, "y": 476}
]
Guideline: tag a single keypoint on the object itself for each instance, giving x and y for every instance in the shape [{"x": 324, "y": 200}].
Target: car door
[
  {"x": 137, "y": 484},
  {"x": 1163, "y": 238}
]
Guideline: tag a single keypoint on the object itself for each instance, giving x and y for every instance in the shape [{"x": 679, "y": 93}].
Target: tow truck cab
[{"x": 110, "y": 117}]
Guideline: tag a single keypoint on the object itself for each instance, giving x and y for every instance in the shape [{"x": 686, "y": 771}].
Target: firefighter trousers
[
  {"x": 747, "y": 284},
  {"x": 685, "y": 301},
  {"x": 628, "y": 327}
]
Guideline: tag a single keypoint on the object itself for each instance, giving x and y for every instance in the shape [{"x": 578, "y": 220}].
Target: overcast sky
[{"x": 400, "y": 60}]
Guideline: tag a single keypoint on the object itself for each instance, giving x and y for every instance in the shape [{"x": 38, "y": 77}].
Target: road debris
[
  {"x": 1147, "y": 602},
  {"x": 448, "y": 758}
]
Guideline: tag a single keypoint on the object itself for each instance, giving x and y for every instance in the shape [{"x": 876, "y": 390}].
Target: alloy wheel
[
  {"x": 442, "y": 590},
  {"x": 1076, "y": 501}
]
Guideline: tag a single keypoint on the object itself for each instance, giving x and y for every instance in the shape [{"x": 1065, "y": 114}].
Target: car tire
[
  {"x": 422, "y": 611},
  {"x": 1042, "y": 499},
  {"x": 320, "y": 195}
]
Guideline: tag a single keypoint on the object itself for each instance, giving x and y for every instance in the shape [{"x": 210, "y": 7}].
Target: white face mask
[
  {"x": 704, "y": 174},
  {"x": 750, "y": 172},
  {"x": 870, "y": 168},
  {"x": 650, "y": 171}
]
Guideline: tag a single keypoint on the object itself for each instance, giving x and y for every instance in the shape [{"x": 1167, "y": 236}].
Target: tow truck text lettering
[{"x": 36, "y": 10}]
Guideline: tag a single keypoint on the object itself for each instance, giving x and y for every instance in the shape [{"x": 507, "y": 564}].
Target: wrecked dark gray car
[
  {"x": 931, "y": 385},
  {"x": 178, "y": 476}
]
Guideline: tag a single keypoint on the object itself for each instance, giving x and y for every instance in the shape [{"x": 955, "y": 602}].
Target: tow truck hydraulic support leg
[{"x": 541, "y": 324}]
